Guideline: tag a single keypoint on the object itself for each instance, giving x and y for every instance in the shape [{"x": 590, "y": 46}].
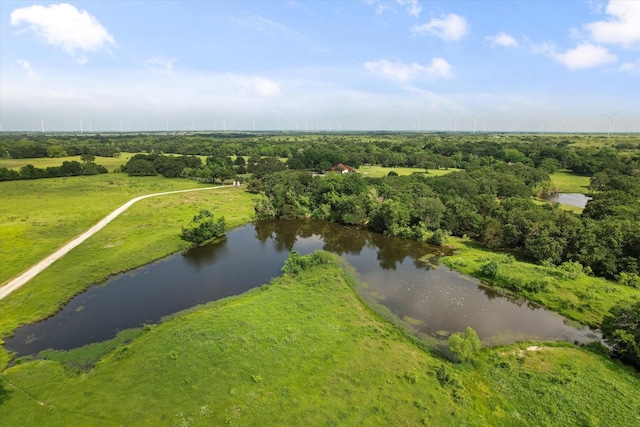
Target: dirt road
[{"x": 37, "y": 268}]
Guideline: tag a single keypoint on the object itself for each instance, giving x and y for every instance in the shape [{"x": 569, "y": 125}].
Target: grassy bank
[
  {"x": 38, "y": 216},
  {"x": 305, "y": 351},
  {"x": 583, "y": 298},
  {"x": 149, "y": 230}
]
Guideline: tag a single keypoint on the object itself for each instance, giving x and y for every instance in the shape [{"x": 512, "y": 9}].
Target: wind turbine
[
  {"x": 475, "y": 122},
  {"x": 121, "y": 128},
  {"x": 42, "y": 124},
  {"x": 562, "y": 127},
  {"x": 610, "y": 128},
  {"x": 81, "y": 130}
]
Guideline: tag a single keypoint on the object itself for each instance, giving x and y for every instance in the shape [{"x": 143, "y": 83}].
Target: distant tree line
[
  {"x": 581, "y": 154},
  {"x": 67, "y": 168}
]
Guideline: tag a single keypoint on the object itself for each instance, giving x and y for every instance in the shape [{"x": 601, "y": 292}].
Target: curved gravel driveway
[{"x": 46, "y": 262}]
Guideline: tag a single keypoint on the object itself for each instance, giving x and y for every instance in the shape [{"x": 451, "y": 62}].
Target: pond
[
  {"x": 401, "y": 274},
  {"x": 571, "y": 199}
]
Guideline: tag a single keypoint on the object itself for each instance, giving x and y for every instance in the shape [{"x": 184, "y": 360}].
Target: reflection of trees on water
[
  {"x": 339, "y": 239},
  {"x": 202, "y": 256}
]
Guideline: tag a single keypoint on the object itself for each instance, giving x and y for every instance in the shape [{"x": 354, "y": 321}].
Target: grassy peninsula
[{"x": 304, "y": 350}]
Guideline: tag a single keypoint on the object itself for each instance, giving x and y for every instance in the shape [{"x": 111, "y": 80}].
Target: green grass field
[
  {"x": 568, "y": 182},
  {"x": 380, "y": 171},
  {"x": 305, "y": 351},
  {"x": 110, "y": 163},
  {"x": 64, "y": 207},
  {"x": 38, "y": 216}
]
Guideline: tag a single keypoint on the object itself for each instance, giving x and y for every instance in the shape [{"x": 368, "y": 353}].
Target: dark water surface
[
  {"x": 571, "y": 199},
  {"x": 403, "y": 275}
]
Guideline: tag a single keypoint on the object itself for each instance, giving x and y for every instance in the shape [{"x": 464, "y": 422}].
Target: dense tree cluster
[
  {"x": 203, "y": 227},
  {"x": 491, "y": 204},
  {"x": 71, "y": 168}
]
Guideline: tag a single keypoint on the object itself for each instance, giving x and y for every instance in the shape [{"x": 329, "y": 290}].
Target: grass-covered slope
[
  {"x": 577, "y": 296},
  {"x": 147, "y": 231},
  {"x": 305, "y": 351}
]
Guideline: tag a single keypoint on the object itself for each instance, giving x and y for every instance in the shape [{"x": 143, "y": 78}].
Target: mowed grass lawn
[
  {"x": 304, "y": 351},
  {"x": 111, "y": 163}
]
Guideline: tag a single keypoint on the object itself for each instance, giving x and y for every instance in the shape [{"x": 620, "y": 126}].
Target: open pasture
[{"x": 111, "y": 163}]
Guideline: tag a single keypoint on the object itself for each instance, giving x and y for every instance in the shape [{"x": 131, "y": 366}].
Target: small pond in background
[
  {"x": 403, "y": 275},
  {"x": 571, "y": 199}
]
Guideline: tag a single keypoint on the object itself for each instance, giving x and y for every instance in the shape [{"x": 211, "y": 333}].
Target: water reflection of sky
[
  {"x": 404, "y": 274},
  {"x": 570, "y": 199}
]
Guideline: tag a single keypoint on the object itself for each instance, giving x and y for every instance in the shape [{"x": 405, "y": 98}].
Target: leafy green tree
[
  {"x": 464, "y": 347},
  {"x": 621, "y": 328},
  {"x": 87, "y": 158},
  {"x": 56, "y": 151},
  {"x": 203, "y": 227},
  {"x": 139, "y": 167}
]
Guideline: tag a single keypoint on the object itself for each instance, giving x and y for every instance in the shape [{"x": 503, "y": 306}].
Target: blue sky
[{"x": 571, "y": 66}]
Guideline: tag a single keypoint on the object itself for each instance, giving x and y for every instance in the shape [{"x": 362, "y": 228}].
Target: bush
[
  {"x": 464, "y": 347},
  {"x": 203, "y": 227},
  {"x": 629, "y": 279},
  {"x": 571, "y": 269},
  {"x": 297, "y": 263},
  {"x": 621, "y": 328},
  {"x": 490, "y": 269},
  {"x": 437, "y": 238}
]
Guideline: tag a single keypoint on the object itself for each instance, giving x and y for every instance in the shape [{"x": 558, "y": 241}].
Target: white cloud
[
  {"x": 631, "y": 67},
  {"x": 413, "y": 7},
  {"x": 31, "y": 74},
  {"x": 407, "y": 72},
  {"x": 450, "y": 28},
  {"x": 586, "y": 55},
  {"x": 263, "y": 24},
  {"x": 381, "y": 8},
  {"x": 160, "y": 65},
  {"x": 256, "y": 85},
  {"x": 65, "y": 26},
  {"x": 621, "y": 28},
  {"x": 502, "y": 39}
]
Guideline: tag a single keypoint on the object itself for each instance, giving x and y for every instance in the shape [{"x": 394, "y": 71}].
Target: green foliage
[
  {"x": 629, "y": 279},
  {"x": 572, "y": 269},
  {"x": 203, "y": 227},
  {"x": 437, "y": 237},
  {"x": 464, "y": 347},
  {"x": 490, "y": 269},
  {"x": 296, "y": 263},
  {"x": 621, "y": 328}
]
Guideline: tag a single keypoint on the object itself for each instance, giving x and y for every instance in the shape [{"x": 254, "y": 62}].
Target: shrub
[
  {"x": 490, "y": 269},
  {"x": 297, "y": 263},
  {"x": 621, "y": 328},
  {"x": 437, "y": 238},
  {"x": 571, "y": 269},
  {"x": 629, "y": 279},
  {"x": 464, "y": 347},
  {"x": 203, "y": 228}
]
